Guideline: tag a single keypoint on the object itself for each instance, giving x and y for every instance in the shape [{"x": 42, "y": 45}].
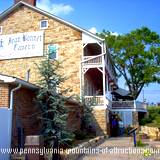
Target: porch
[
  {"x": 96, "y": 75},
  {"x": 94, "y": 92},
  {"x": 95, "y": 56}
]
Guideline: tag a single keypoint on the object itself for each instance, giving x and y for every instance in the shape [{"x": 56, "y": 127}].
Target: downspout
[
  {"x": 11, "y": 95},
  {"x": 11, "y": 110}
]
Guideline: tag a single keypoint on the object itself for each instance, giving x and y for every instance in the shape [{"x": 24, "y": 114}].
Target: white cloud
[
  {"x": 54, "y": 8},
  {"x": 93, "y": 30}
]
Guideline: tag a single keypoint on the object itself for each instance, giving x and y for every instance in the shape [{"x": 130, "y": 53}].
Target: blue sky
[{"x": 119, "y": 16}]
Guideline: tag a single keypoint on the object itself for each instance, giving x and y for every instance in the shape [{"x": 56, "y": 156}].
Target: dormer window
[
  {"x": 43, "y": 24},
  {"x": 1, "y": 29}
]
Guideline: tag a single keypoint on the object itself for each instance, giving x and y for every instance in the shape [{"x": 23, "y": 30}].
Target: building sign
[{"x": 20, "y": 45}]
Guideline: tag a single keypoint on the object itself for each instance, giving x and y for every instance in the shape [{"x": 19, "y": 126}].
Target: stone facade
[
  {"x": 100, "y": 120},
  {"x": 68, "y": 39},
  {"x": 135, "y": 118},
  {"x": 70, "y": 49}
]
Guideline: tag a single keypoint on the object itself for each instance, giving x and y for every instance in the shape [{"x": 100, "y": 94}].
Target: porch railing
[
  {"x": 94, "y": 100},
  {"x": 123, "y": 105},
  {"x": 141, "y": 105},
  {"x": 128, "y": 105},
  {"x": 92, "y": 60}
]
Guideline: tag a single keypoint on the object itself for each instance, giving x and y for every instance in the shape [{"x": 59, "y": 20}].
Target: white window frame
[
  {"x": 1, "y": 29},
  {"x": 57, "y": 46},
  {"x": 46, "y": 24}
]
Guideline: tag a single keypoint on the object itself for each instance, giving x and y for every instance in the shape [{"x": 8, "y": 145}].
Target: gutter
[
  {"x": 11, "y": 110},
  {"x": 17, "y": 81},
  {"x": 11, "y": 96}
]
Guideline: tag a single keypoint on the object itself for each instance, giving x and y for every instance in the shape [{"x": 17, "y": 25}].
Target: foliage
[
  {"x": 153, "y": 119},
  {"x": 87, "y": 117},
  {"x": 51, "y": 101},
  {"x": 136, "y": 57},
  {"x": 140, "y": 143}
]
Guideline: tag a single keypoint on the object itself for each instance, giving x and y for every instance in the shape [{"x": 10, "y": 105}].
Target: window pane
[
  {"x": 43, "y": 24},
  {"x": 52, "y": 50}
]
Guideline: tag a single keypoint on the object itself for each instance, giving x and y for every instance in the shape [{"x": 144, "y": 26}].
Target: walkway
[{"x": 117, "y": 149}]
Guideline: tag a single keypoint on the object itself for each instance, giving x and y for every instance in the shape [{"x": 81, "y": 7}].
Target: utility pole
[{"x": 143, "y": 94}]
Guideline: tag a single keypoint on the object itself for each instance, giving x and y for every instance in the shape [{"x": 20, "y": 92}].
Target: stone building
[{"x": 28, "y": 33}]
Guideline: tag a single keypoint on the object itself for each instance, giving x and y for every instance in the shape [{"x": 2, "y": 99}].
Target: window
[
  {"x": 1, "y": 29},
  {"x": 53, "y": 51},
  {"x": 43, "y": 24}
]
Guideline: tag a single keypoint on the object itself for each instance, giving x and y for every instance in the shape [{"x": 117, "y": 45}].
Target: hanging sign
[{"x": 29, "y": 44}]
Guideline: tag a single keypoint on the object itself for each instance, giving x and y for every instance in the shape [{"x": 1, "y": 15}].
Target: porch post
[{"x": 104, "y": 80}]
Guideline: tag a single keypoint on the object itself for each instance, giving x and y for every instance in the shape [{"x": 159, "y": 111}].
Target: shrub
[
  {"x": 153, "y": 119},
  {"x": 140, "y": 143}
]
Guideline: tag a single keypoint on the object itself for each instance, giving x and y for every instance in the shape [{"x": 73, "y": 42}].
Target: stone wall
[
  {"x": 68, "y": 39},
  {"x": 100, "y": 118},
  {"x": 135, "y": 118},
  {"x": 150, "y": 132}
]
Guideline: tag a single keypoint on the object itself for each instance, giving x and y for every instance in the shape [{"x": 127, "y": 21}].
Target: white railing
[
  {"x": 92, "y": 60},
  {"x": 123, "y": 104},
  {"x": 128, "y": 105},
  {"x": 141, "y": 105},
  {"x": 94, "y": 100}
]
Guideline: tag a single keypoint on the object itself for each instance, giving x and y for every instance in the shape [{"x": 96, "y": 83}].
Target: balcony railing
[
  {"x": 128, "y": 105},
  {"x": 123, "y": 105},
  {"x": 92, "y": 60},
  {"x": 94, "y": 100},
  {"x": 141, "y": 105}
]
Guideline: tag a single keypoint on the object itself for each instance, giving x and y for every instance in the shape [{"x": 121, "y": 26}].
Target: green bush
[
  {"x": 153, "y": 118},
  {"x": 140, "y": 143}
]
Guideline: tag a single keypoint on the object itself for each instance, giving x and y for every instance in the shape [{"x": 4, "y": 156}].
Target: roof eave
[{"x": 14, "y": 80}]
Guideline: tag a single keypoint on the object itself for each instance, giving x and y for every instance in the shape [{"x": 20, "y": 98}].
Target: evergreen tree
[{"x": 52, "y": 103}]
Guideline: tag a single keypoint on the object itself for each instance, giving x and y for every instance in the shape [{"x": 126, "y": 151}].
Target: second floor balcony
[{"x": 92, "y": 60}]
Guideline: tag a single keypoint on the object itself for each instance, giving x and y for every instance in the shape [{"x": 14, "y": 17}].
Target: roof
[
  {"x": 14, "y": 7},
  {"x": 13, "y": 80},
  {"x": 121, "y": 92}
]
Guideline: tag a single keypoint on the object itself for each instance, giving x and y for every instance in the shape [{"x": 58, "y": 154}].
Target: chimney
[{"x": 31, "y": 2}]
